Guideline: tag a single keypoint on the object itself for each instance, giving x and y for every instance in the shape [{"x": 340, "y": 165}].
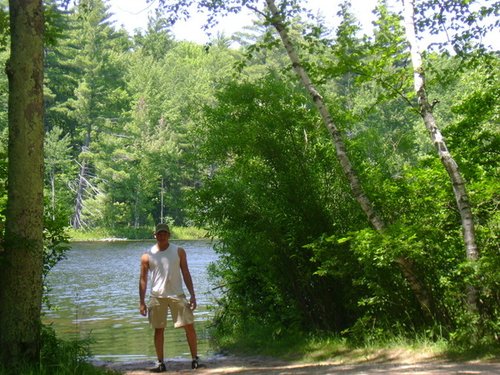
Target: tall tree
[
  {"x": 156, "y": 40},
  {"x": 426, "y": 112},
  {"x": 99, "y": 92},
  {"x": 21, "y": 260}
]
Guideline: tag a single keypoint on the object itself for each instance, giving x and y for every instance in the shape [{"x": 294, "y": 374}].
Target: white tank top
[{"x": 165, "y": 272}]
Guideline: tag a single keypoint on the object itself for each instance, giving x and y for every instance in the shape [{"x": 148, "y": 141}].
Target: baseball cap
[{"x": 162, "y": 227}]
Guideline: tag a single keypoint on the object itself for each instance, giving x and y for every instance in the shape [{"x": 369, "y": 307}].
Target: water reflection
[{"x": 95, "y": 292}]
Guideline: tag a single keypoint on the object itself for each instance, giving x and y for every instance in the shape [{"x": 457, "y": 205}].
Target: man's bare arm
[
  {"x": 143, "y": 283},
  {"x": 186, "y": 275}
]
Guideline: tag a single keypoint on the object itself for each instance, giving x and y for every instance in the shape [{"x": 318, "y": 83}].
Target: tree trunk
[
  {"x": 22, "y": 259},
  {"x": 406, "y": 266},
  {"x": 76, "y": 220},
  {"x": 437, "y": 138},
  {"x": 52, "y": 178}
]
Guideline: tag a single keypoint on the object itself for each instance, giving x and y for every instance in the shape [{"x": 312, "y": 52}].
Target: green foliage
[
  {"x": 156, "y": 41},
  {"x": 158, "y": 151},
  {"x": 56, "y": 241},
  {"x": 87, "y": 91},
  {"x": 117, "y": 131},
  {"x": 465, "y": 23},
  {"x": 368, "y": 83},
  {"x": 272, "y": 187},
  {"x": 55, "y": 245},
  {"x": 54, "y": 22},
  {"x": 426, "y": 232},
  {"x": 475, "y": 117},
  {"x": 473, "y": 132},
  {"x": 60, "y": 357},
  {"x": 59, "y": 172},
  {"x": 4, "y": 26}
]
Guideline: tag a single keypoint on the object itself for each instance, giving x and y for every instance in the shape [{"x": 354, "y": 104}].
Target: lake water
[{"x": 94, "y": 292}]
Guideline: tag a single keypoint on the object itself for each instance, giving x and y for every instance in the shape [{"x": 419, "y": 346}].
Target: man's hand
[
  {"x": 143, "y": 309},
  {"x": 192, "y": 303}
]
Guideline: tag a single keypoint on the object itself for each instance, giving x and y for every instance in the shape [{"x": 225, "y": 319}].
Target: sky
[{"x": 133, "y": 14}]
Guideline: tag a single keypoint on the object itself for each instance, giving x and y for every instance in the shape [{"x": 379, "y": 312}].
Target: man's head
[{"x": 162, "y": 228}]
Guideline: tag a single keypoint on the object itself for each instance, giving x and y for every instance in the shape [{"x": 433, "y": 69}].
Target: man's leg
[
  {"x": 157, "y": 318},
  {"x": 158, "y": 340},
  {"x": 192, "y": 340}
]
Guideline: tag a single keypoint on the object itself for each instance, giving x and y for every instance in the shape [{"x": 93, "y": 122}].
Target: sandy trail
[{"x": 270, "y": 366}]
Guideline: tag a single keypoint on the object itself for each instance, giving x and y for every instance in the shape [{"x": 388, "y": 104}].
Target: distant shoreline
[
  {"x": 134, "y": 234},
  {"x": 112, "y": 239}
]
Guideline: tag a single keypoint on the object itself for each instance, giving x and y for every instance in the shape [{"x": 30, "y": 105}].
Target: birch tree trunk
[
  {"x": 406, "y": 266},
  {"x": 76, "y": 220},
  {"x": 21, "y": 260},
  {"x": 335, "y": 134},
  {"x": 458, "y": 183}
]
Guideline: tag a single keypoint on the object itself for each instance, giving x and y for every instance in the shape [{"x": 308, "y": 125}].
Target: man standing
[{"x": 166, "y": 263}]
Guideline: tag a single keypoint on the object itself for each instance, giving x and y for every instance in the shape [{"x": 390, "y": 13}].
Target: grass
[
  {"x": 188, "y": 233},
  {"x": 318, "y": 347},
  {"x": 61, "y": 357},
  {"x": 58, "y": 357},
  {"x": 62, "y": 368},
  {"x": 127, "y": 233}
]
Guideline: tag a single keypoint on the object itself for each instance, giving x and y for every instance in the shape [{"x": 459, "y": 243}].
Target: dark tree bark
[{"x": 21, "y": 260}]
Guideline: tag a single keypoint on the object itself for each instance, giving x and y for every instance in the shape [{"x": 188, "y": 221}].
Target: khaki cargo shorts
[{"x": 178, "y": 306}]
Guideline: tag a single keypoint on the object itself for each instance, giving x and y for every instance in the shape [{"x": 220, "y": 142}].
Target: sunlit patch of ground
[{"x": 382, "y": 362}]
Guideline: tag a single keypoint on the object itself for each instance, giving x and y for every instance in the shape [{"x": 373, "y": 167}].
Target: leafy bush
[{"x": 273, "y": 186}]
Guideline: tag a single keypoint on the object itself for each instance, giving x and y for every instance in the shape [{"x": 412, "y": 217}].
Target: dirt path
[{"x": 270, "y": 366}]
